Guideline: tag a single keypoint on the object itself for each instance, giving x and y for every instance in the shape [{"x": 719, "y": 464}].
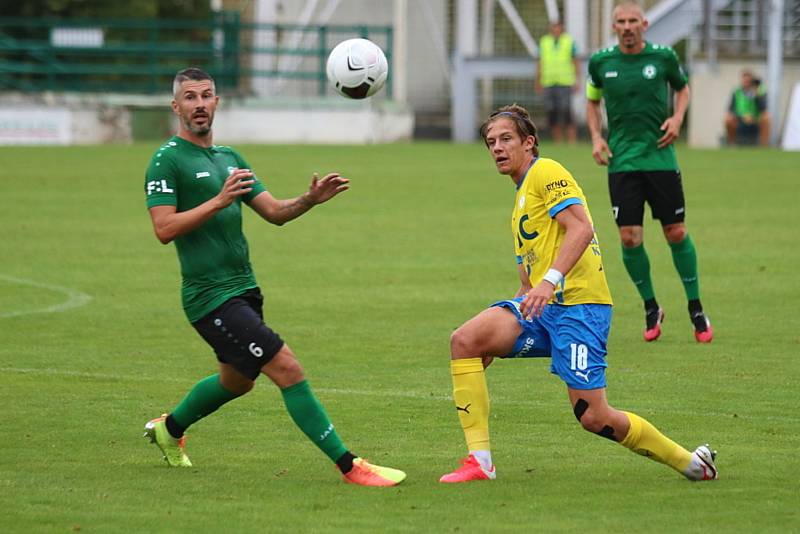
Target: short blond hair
[{"x": 629, "y": 3}]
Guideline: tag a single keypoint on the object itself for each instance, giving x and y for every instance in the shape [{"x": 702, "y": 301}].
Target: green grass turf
[{"x": 367, "y": 289}]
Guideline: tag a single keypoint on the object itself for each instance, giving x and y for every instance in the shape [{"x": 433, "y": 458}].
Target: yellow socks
[
  {"x": 472, "y": 401},
  {"x": 645, "y": 439}
]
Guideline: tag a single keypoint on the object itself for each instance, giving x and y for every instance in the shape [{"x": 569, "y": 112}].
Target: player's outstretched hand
[
  {"x": 671, "y": 129},
  {"x": 535, "y": 300},
  {"x": 236, "y": 185},
  {"x": 600, "y": 151},
  {"x": 327, "y": 187}
]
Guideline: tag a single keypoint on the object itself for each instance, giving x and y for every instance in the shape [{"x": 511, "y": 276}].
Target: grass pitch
[{"x": 367, "y": 289}]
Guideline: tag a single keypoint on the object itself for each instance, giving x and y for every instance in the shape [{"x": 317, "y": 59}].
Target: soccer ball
[{"x": 357, "y": 68}]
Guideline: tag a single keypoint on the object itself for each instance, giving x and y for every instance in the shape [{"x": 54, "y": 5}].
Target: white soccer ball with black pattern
[{"x": 357, "y": 68}]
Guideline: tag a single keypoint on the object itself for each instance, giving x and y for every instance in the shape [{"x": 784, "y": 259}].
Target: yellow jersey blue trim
[{"x": 562, "y": 205}]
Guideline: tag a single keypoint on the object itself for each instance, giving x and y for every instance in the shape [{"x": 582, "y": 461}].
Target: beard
[
  {"x": 629, "y": 40},
  {"x": 201, "y": 130}
]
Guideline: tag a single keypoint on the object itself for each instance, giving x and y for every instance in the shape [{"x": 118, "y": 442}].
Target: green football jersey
[
  {"x": 215, "y": 261},
  {"x": 634, "y": 87}
]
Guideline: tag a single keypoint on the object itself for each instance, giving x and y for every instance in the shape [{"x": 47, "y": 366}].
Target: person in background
[
  {"x": 633, "y": 79},
  {"x": 556, "y": 79},
  {"x": 747, "y": 117}
]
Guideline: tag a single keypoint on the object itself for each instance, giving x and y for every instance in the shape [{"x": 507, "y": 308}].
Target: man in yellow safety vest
[{"x": 556, "y": 78}]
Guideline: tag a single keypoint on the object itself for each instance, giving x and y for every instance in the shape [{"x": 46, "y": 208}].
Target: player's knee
[
  {"x": 630, "y": 238},
  {"x": 591, "y": 423},
  {"x": 675, "y": 233},
  {"x": 294, "y": 374},
  {"x": 463, "y": 343},
  {"x": 597, "y": 425},
  {"x": 287, "y": 375},
  {"x": 586, "y": 416},
  {"x": 284, "y": 369},
  {"x": 589, "y": 419},
  {"x": 292, "y": 371}
]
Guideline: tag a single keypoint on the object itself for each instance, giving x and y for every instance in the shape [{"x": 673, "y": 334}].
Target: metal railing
[
  {"x": 142, "y": 56},
  {"x": 741, "y": 29}
]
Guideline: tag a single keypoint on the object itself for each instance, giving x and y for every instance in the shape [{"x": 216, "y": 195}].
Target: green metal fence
[{"x": 142, "y": 56}]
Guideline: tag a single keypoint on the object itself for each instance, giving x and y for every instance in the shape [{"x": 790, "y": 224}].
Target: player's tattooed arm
[{"x": 320, "y": 190}]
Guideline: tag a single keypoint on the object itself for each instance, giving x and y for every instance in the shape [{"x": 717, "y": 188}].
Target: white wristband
[{"x": 553, "y": 276}]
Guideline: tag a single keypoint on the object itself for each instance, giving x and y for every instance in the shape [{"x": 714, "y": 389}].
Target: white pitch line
[
  {"x": 140, "y": 378},
  {"x": 75, "y": 298},
  {"x": 502, "y": 400},
  {"x": 328, "y": 391}
]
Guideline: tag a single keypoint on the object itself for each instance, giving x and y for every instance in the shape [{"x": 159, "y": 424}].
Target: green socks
[
  {"x": 638, "y": 266},
  {"x": 304, "y": 408},
  {"x": 309, "y": 415},
  {"x": 684, "y": 256},
  {"x": 204, "y": 398}
]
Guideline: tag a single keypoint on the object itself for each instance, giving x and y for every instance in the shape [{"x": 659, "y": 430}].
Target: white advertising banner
[{"x": 35, "y": 126}]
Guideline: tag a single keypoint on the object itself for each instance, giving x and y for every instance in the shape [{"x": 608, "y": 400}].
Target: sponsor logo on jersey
[
  {"x": 556, "y": 185},
  {"x": 611, "y": 74},
  {"x": 649, "y": 72},
  {"x": 158, "y": 186},
  {"x": 558, "y": 195},
  {"x": 523, "y": 232},
  {"x": 529, "y": 259},
  {"x": 202, "y": 174}
]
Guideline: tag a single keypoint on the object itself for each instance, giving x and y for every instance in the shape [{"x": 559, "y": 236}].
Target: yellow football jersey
[{"x": 546, "y": 189}]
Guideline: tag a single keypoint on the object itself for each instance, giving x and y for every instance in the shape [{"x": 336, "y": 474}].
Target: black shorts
[
  {"x": 238, "y": 335},
  {"x": 663, "y": 190},
  {"x": 558, "y": 101}
]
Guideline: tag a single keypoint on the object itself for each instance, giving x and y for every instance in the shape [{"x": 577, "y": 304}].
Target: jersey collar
[
  {"x": 528, "y": 170},
  {"x": 185, "y": 142}
]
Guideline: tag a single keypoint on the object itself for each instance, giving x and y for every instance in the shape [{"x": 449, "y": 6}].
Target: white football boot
[{"x": 702, "y": 465}]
